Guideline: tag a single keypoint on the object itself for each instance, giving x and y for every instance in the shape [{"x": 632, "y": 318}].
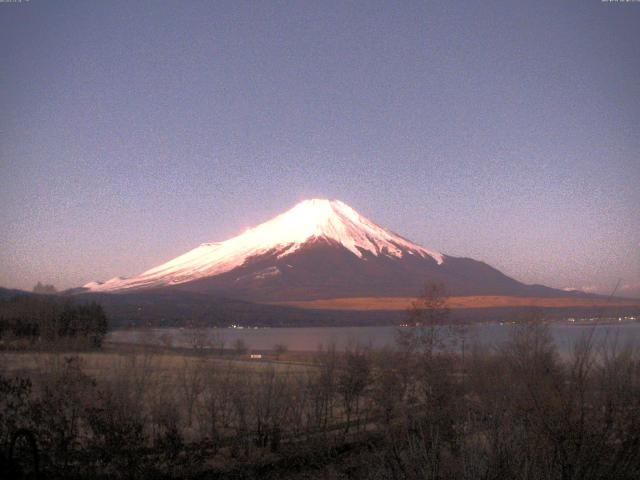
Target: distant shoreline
[
  {"x": 564, "y": 322},
  {"x": 458, "y": 302}
]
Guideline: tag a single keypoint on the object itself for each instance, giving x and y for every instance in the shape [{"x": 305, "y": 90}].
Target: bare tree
[
  {"x": 190, "y": 381},
  {"x": 279, "y": 349},
  {"x": 352, "y": 381},
  {"x": 218, "y": 342},
  {"x": 198, "y": 339},
  {"x": 240, "y": 347},
  {"x": 428, "y": 321}
]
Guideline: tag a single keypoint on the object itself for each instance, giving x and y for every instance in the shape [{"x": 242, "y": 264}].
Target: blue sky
[{"x": 133, "y": 131}]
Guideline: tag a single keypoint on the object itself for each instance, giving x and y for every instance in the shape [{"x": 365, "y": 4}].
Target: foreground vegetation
[
  {"x": 46, "y": 321},
  {"x": 429, "y": 408},
  {"x": 418, "y": 411}
]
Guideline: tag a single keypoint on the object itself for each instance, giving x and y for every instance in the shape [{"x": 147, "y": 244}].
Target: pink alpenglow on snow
[{"x": 309, "y": 220}]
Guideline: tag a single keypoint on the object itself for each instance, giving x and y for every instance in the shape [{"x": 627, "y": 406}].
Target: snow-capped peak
[{"x": 309, "y": 220}]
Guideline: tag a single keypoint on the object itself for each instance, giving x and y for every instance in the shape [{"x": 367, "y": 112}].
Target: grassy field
[
  {"x": 488, "y": 301},
  {"x": 116, "y": 359}
]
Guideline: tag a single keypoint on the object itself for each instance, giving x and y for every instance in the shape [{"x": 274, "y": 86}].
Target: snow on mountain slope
[{"x": 316, "y": 219}]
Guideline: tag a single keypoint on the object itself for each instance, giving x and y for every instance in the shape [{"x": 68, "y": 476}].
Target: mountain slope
[
  {"x": 324, "y": 220},
  {"x": 320, "y": 249}
]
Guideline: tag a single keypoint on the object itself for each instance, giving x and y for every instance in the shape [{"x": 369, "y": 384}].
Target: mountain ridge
[
  {"x": 321, "y": 249},
  {"x": 309, "y": 220}
]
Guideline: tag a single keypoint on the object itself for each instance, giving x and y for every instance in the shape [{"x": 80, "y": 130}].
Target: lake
[{"x": 311, "y": 338}]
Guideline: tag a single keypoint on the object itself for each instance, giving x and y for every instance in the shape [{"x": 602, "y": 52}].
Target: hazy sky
[{"x": 131, "y": 132}]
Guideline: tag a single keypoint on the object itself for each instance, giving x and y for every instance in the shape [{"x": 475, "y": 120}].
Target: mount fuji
[{"x": 319, "y": 249}]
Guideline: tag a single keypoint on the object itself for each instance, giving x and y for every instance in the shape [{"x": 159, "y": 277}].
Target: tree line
[{"x": 45, "y": 320}]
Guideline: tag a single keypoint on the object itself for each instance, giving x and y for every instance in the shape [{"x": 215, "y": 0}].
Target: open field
[
  {"x": 116, "y": 358},
  {"x": 488, "y": 301}
]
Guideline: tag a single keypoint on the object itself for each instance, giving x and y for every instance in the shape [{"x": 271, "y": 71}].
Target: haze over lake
[{"x": 311, "y": 338}]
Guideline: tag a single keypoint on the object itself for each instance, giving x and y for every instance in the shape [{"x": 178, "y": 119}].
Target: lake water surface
[{"x": 312, "y": 338}]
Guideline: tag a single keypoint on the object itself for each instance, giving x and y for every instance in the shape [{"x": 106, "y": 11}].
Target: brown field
[
  {"x": 122, "y": 359},
  {"x": 490, "y": 301}
]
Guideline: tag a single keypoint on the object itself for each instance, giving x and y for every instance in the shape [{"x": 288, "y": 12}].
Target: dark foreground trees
[
  {"x": 35, "y": 320},
  {"x": 518, "y": 411}
]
